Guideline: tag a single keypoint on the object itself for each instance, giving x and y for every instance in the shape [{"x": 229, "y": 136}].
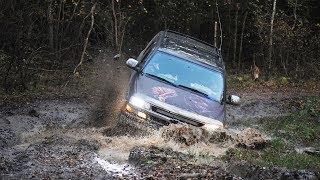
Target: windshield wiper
[
  {"x": 195, "y": 90},
  {"x": 162, "y": 79}
]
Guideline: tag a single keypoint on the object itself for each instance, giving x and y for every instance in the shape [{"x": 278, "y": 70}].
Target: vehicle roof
[{"x": 190, "y": 48}]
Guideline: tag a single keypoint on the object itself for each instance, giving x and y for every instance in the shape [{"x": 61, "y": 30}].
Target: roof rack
[{"x": 196, "y": 39}]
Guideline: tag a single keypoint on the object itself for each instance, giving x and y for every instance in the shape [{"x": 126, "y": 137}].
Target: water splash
[{"x": 113, "y": 168}]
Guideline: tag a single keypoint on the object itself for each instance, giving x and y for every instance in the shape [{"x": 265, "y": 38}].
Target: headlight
[
  {"x": 139, "y": 103},
  {"x": 212, "y": 127}
]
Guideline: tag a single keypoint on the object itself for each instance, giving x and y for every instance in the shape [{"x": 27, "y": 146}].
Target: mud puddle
[
  {"x": 53, "y": 138},
  {"x": 56, "y": 137},
  {"x": 67, "y": 139}
]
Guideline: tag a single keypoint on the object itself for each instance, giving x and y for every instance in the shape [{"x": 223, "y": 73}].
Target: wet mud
[{"x": 80, "y": 138}]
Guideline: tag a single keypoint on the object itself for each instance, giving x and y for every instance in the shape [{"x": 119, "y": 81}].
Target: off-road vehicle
[{"x": 178, "y": 79}]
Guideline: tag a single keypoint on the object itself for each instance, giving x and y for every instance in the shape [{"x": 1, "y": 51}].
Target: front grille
[
  {"x": 175, "y": 117},
  {"x": 159, "y": 120}
]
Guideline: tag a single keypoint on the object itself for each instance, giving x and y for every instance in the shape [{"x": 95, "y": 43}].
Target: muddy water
[
  {"x": 53, "y": 135},
  {"x": 66, "y": 138},
  {"x": 65, "y": 131},
  {"x": 61, "y": 131},
  {"x": 118, "y": 148},
  {"x": 53, "y": 138}
]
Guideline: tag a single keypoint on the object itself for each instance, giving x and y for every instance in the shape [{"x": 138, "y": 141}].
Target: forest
[
  {"x": 80, "y": 98},
  {"x": 279, "y": 37}
]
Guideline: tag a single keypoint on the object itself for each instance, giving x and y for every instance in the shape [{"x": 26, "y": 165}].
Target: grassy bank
[{"x": 290, "y": 136}]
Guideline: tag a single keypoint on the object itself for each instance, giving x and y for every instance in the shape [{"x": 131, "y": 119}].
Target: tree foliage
[{"x": 39, "y": 35}]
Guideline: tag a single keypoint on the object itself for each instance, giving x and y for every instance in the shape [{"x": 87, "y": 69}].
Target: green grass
[
  {"x": 278, "y": 154},
  {"x": 283, "y": 154},
  {"x": 295, "y": 129},
  {"x": 291, "y": 160},
  {"x": 300, "y": 129}
]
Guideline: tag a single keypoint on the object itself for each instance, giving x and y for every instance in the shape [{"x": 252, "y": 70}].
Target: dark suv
[{"x": 178, "y": 79}]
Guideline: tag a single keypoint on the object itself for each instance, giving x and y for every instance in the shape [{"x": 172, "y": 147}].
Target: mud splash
[
  {"x": 184, "y": 139},
  {"x": 64, "y": 138},
  {"x": 117, "y": 169}
]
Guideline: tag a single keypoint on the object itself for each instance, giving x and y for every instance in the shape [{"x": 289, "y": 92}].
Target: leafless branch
[{"x": 87, "y": 38}]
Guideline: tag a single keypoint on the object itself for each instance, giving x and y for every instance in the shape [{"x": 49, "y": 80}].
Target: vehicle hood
[{"x": 180, "y": 98}]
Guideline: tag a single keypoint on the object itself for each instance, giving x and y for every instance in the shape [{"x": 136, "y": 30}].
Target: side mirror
[
  {"x": 132, "y": 63},
  {"x": 233, "y": 100}
]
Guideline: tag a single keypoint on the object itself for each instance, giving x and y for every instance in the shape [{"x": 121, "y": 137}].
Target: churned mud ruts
[
  {"x": 77, "y": 136},
  {"x": 55, "y": 139}
]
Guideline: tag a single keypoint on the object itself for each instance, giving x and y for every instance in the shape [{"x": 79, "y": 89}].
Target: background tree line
[{"x": 54, "y": 35}]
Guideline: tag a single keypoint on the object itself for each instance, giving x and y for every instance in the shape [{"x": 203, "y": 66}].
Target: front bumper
[{"x": 152, "y": 118}]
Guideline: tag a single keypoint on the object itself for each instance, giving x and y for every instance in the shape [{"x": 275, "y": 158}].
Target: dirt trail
[{"x": 66, "y": 138}]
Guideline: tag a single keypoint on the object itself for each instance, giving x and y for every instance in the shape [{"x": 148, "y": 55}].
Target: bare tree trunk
[
  {"x": 262, "y": 50},
  {"x": 271, "y": 38},
  {"x": 119, "y": 24},
  {"x": 87, "y": 38},
  {"x": 119, "y": 31},
  {"x": 235, "y": 36},
  {"x": 51, "y": 26},
  {"x": 71, "y": 18},
  {"x": 287, "y": 62},
  {"x": 283, "y": 62},
  {"x": 220, "y": 28},
  {"x": 229, "y": 33},
  {"x": 295, "y": 13},
  {"x": 115, "y": 20},
  {"x": 58, "y": 32},
  {"x": 122, "y": 35},
  {"x": 241, "y": 39}
]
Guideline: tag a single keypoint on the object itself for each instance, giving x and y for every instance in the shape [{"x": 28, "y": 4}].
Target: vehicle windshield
[{"x": 186, "y": 74}]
